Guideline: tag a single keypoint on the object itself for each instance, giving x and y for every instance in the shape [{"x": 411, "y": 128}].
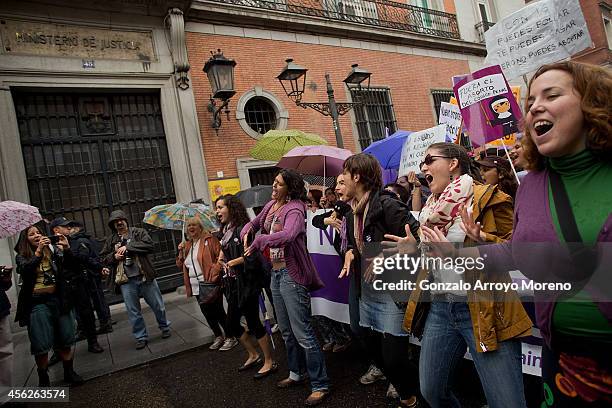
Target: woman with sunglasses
[
  {"x": 44, "y": 304},
  {"x": 489, "y": 323},
  {"x": 562, "y": 207}
]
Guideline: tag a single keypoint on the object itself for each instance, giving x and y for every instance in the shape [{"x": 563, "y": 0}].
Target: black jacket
[
  {"x": 249, "y": 275},
  {"x": 5, "y": 305},
  {"x": 26, "y": 267},
  {"x": 386, "y": 215},
  {"x": 342, "y": 210},
  {"x": 85, "y": 249}
]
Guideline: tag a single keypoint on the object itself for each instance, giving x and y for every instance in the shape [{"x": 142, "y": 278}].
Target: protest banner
[
  {"x": 415, "y": 146},
  {"x": 540, "y": 33},
  {"x": 332, "y": 300},
  {"x": 488, "y": 107},
  {"x": 450, "y": 116},
  {"x": 508, "y": 140}
]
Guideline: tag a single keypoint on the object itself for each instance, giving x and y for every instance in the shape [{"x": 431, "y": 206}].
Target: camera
[
  {"x": 128, "y": 261},
  {"x": 54, "y": 239}
]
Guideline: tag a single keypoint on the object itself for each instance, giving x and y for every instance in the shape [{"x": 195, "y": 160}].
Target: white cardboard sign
[
  {"x": 450, "y": 116},
  {"x": 415, "y": 146},
  {"x": 543, "y": 32}
]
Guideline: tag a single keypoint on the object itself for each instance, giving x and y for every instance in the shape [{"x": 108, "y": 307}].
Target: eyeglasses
[{"x": 429, "y": 159}]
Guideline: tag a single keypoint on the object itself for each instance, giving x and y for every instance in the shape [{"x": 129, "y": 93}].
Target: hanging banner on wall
[
  {"x": 488, "y": 107},
  {"x": 543, "y": 32}
]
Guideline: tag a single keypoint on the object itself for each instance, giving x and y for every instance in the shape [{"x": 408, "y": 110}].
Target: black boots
[
  {"x": 70, "y": 376},
  {"x": 43, "y": 378}
]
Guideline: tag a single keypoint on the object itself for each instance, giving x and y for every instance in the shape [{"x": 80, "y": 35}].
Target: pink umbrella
[
  {"x": 318, "y": 160},
  {"x": 15, "y": 216}
]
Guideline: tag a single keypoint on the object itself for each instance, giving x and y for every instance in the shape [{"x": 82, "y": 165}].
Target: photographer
[
  {"x": 45, "y": 304},
  {"x": 77, "y": 270},
  {"x": 6, "y": 337},
  {"x": 127, "y": 250}
]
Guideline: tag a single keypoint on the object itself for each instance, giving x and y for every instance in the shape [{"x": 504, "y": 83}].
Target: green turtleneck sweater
[{"x": 586, "y": 180}]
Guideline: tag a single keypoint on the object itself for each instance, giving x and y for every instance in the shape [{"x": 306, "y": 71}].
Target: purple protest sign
[{"x": 488, "y": 107}]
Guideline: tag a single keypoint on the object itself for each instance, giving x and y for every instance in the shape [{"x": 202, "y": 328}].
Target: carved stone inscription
[{"x": 34, "y": 38}]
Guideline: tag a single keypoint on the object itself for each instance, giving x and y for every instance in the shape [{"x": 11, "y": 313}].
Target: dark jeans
[
  {"x": 215, "y": 316},
  {"x": 250, "y": 311},
  {"x": 82, "y": 305},
  {"x": 96, "y": 292},
  {"x": 391, "y": 355}
]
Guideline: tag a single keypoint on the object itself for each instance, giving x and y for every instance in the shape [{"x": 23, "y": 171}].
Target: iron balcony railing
[
  {"x": 376, "y": 13},
  {"x": 481, "y": 28}
]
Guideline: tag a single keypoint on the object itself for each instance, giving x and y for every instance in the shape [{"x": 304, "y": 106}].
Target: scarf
[
  {"x": 228, "y": 232},
  {"x": 440, "y": 210},
  {"x": 360, "y": 210}
]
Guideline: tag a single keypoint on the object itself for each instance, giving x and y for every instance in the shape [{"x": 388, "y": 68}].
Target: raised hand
[
  {"x": 471, "y": 229},
  {"x": 412, "y": 179},
  {"x": 400, "y": 245},
  {"x": 439, "y": 244}
]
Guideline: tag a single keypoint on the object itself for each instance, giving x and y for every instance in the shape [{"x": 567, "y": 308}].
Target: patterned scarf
[
  {"x": 360, "y": 210},
  {"x": 440, "y": 210}
]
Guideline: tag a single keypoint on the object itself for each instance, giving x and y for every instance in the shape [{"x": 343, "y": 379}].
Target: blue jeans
[
  {"x": 448, "y": 331},
  {"x": 292, "y": 302},
  {"x": 131, "y": 291}
]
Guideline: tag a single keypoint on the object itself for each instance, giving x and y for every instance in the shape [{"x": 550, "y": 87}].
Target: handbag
[
  {"x": 120, "y": 275},
  {"x": 208, "y": 292}
]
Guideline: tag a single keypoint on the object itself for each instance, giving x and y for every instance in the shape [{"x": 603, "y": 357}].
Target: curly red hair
[{"x": 594, "y": 85}]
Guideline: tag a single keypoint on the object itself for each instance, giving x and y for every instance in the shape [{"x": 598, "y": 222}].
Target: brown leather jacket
[
  {"x": 208, "y": 254},
  {"x": 496, "y": 315}
]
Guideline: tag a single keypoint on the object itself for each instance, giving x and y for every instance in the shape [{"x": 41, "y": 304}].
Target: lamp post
[
  {"x": 220, "y": 72},
  {"x": 293, "y": 81}
]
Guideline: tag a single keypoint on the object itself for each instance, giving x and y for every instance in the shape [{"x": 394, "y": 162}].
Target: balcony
[
  {"x": 373, "y": 13},
  {"x": 481, "y": 28}
]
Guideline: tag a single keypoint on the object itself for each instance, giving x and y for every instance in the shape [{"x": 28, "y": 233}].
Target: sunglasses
[{"x": 429, "y": 159}]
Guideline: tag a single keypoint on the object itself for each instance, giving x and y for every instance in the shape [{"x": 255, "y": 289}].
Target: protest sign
[
  {"x": 450, "y": 116},
  {"x": 488, "y": 107},
  {"x": 332, "y": 300},
  {"x": 508, "y": 140},
  {"x": 415, "y": 146},
  {"x": 543, "y": 32}
]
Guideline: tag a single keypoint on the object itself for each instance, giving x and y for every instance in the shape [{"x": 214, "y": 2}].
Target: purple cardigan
[
  {"x": 533, "y": 223},
  {"x": 292, "y": 237}
]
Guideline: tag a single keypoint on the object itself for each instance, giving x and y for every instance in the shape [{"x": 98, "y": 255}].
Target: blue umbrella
[{"x": 388, "y": 151}]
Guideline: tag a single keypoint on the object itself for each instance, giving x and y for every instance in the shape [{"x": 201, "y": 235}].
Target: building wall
[
  {"x": 601, "y": 53},
  {"x": 410, "y": 73}
]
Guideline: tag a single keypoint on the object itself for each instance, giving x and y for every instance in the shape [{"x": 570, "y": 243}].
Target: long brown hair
[
  {"x": 594, "y": 85},
  {"x": 24, "y": 248}
]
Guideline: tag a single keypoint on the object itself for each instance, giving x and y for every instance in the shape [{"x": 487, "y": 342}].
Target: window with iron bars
[
  {"x": 375, "y": 117},
  {"x": 439, "y": 96}
]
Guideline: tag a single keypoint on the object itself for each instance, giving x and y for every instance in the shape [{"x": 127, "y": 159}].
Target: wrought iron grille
[
  {"x": 260, "y": 115},
  {"x": 481, "y": 28},
  {"x": 86, "y": 155},
  {"x": 378, "y": 13},
  {"x": 439, "y": 96},
  {"x": 374, "y": 117}
]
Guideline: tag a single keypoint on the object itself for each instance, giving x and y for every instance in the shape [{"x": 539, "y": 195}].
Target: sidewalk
[{"x": 189, "y": 330}]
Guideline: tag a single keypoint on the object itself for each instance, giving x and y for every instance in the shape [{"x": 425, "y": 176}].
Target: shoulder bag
[{"x": 208, "y": 292}]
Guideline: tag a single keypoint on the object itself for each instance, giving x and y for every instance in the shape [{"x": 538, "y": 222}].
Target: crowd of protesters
[{"x": 563, "y": 163}]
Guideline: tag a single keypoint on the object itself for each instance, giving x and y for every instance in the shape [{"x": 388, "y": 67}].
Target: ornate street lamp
[
  {"x": 220, "y": 72},
  {"x": 293, "y": 81}
]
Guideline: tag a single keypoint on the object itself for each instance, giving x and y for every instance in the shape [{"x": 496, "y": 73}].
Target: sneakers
[
  {"x": 217, "y": 343},
  {"x": 229, "y": 344},
  {"x": 94, "y": 347},
  {"x": 140, "y": 344},
  {"x": 166, "y": 334},
  {"x": 391, "y": 392},
  {"x": 372, "y": 375},
  {"x": 274, "y": 328}
]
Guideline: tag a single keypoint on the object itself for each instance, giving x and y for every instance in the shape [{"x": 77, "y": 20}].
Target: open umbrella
[
  {"x": 16, "y": 216},
  {"x": 256, "y": 196},
  {"x": 318, "y": 160},
  {"x": 172, "y": 216},
  {"x": 388, "y": 151},
  {"x": 275, "y": 143}
]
